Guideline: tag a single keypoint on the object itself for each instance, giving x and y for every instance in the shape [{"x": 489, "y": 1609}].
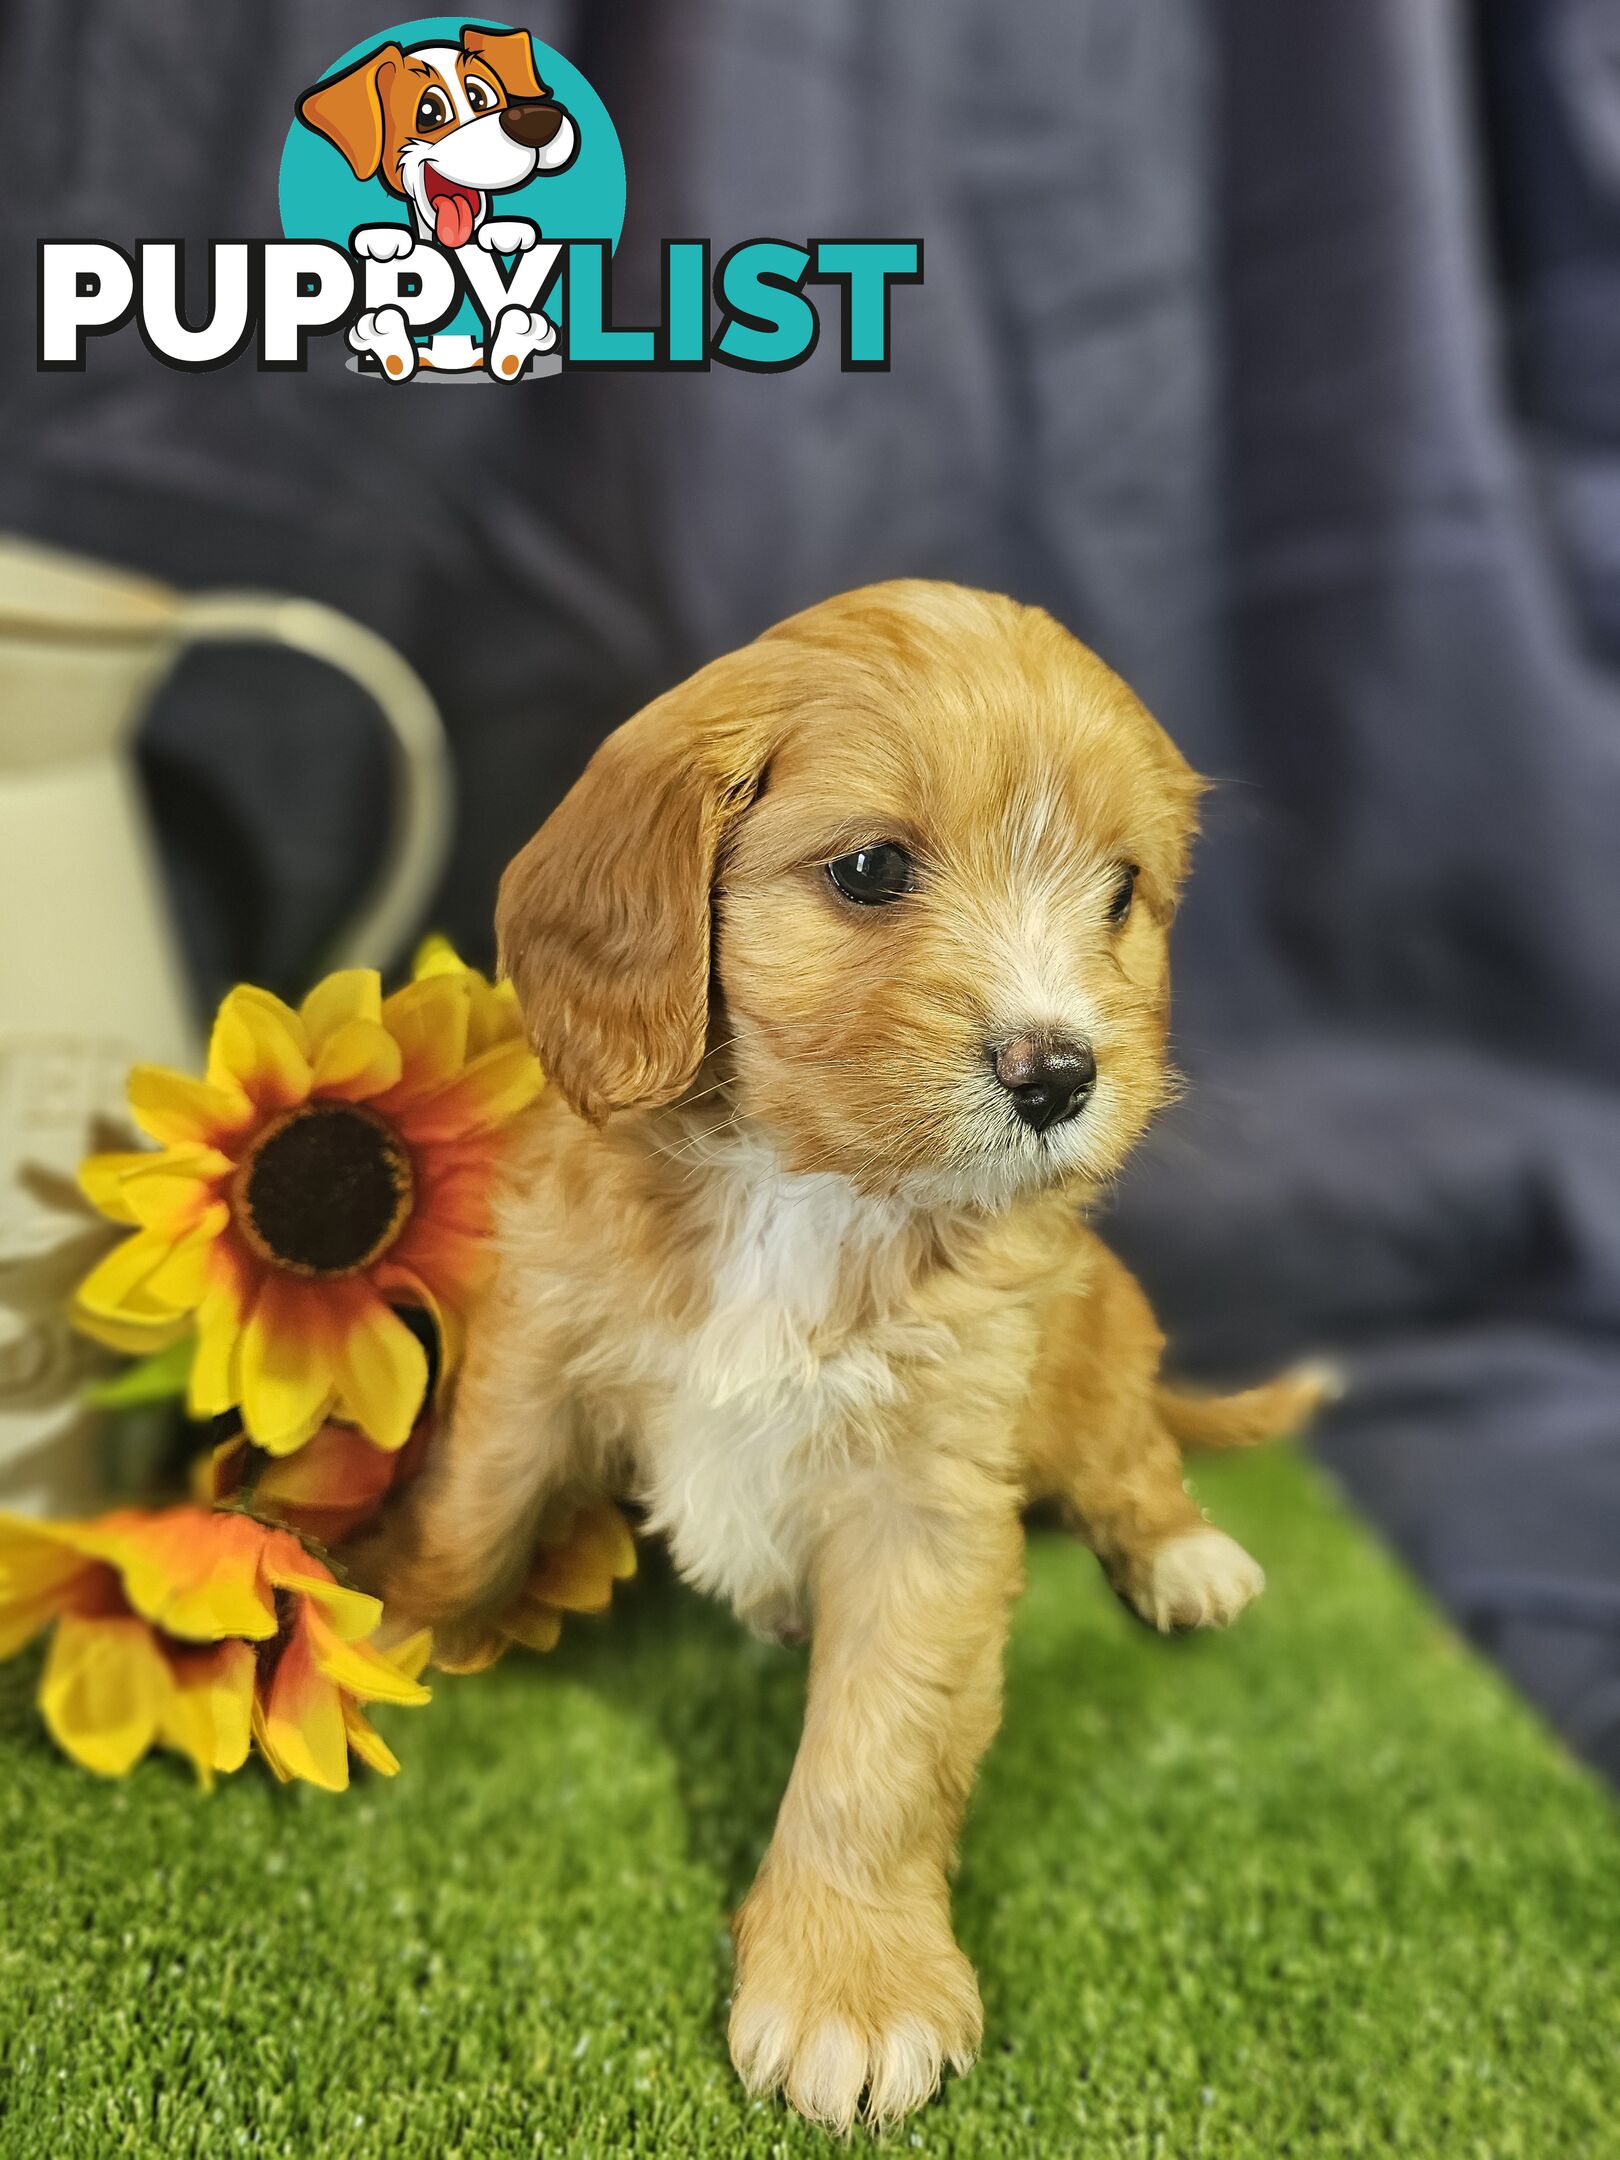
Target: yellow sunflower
[
  {"x": 194, "y": 1629},
  {"x": 335, "y": 1162}
]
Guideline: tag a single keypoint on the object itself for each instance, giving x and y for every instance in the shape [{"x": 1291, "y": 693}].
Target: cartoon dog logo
[{"x": 446, "y": 127}]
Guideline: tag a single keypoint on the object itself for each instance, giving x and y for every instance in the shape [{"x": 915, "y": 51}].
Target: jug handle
[{"x": 423, "y": 796}]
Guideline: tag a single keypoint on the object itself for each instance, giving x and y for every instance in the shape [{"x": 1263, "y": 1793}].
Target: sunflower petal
[
  {"x": 455, "y": 1265},
  {"x": 428, "y": 1019},
  {"x": 487, "y": 1093},
  {"x": 403, "y": 1286},
  {"x": 605, "y": 1525},
  {"x": 169, "y": 1191},
  {"x": 40, "y": 1569},
  {"x": 436, "y": 956},
  {"x": 411, "y": 1656},
  {"x": 350, "y": 994},
  {"x": 381, "y": 1369},
  {"x": 173, "y": 1107},
  {"x": 369, "y": 1744},
  {"x": 303, "y": 1730},
  {"x": 104, "y": 1691},
  {"x": 183, "y": 1726},
  {"x": 101, "y": 1180},
  {"x": 536, "y": 1626},
  {"x": 357, "y": 1061},
  {"x": 578, "y": 1572},
  {"x": 193, "y": 1571},
  {"x": 496, "y": 1017},
  {"x": 570, "y": 1580},
  {"x": 286, "y": 1375},
  {"x": 464, "y": 1653},
  {"x": 266, "y": 1745},
  {"x": 354, "y": 1666},
  {"x": 215, "y": 1686},
  {"x": 130, "y": 1336},
  {"x": 330, "y": 1486},
  {"x": 22, "y": 1619},
  {"x": 453, "y": 1193},
  {"x": 107, "y": 1289},
  {"x": 35, "y": 1555},
  {"x": 259, "y": 1047},
  {"x": 210, "y": 1707},
  {"x": 350, "y": 1615},
  {"x": 180, "y": 1280},
  {"x": 215, "y": 1370}
]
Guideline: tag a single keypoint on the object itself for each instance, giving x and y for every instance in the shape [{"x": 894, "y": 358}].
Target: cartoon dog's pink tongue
[{"x": 454, "y": 209}]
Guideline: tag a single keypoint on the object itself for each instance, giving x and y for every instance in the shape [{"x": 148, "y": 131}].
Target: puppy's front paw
[
  {"x": 384, "y": 243},
  {"x": 385, "y": 335},
  {"x": 507, "y": 236},
  {"x": 1203, "y": 1579},
  {"x": 519, "y": 334},
  {"x": 848, "y": 2008}
]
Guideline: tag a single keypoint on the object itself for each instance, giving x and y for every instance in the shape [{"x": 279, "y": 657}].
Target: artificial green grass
[{"x": 1316, "y": 1887}]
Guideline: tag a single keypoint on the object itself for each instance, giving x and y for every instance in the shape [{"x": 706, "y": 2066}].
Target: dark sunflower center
[{"x": 326, "y": 1191}]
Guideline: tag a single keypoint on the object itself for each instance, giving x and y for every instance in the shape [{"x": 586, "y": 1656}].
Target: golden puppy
[{"x": 847, "y": 961}]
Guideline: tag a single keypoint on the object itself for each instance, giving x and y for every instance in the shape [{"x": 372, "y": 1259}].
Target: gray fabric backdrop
[{"x": 1277, "y": 349}]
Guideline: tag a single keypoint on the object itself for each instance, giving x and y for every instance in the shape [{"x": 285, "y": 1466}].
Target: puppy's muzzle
[
  {"x": 533, "y": 122},
  {"x": 1047, "y": 1076}
]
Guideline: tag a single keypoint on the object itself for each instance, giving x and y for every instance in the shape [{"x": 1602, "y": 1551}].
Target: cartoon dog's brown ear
[
  {"x": 511, "y": 54},
  {"x": 348, "y": 109},
  {"x": 604, "y": 918}
]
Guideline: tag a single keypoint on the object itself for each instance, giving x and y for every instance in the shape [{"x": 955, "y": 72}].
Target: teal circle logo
[{"x": 434, "y": 84}]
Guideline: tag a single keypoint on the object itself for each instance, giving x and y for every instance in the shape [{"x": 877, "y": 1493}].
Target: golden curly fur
[{"x": 778, "y": 1261}]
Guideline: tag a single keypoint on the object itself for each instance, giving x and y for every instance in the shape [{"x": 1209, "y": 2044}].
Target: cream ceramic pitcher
[{"x": 90, "y": 974}]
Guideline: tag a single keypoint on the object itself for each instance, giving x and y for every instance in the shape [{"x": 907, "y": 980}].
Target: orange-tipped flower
[
  {"x": 196, "y": 1629},
  {"x": 338, "y": 1484},
  {"x": 335, "y": 1162},
  {"x": 581, "y": 1556},
  {"x": 333, "y": 1486}
]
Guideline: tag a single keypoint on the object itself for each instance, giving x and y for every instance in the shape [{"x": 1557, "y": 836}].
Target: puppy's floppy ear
[
  {"x": 604, "y": 918},
  {"x": 511, "y": 54},
  {"x": 1184, "y": 790},
  {"x": 1165, "y": 819},
  {"x": 348, "y": 110}
]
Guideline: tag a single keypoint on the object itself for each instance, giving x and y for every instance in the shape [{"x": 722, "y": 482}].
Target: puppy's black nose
[
  {"x": 531, "y": 121},
  {"x": 1047, "y": 1076}
]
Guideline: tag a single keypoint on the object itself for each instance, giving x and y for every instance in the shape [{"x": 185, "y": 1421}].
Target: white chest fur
[{"x": 771, "y": 1399}]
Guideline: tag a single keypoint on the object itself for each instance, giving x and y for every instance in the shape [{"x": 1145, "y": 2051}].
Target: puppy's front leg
[
  {"x": 1123, "y": 1483},
  {"x": 1095, "y": 1437},
  {"x": 849, "y": 1979}
]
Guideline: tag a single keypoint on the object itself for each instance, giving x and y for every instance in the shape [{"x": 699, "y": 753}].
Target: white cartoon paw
[
  {"x": 1201, "y": 1580},
  {"x": 384, "y": 243},
  {"x": 508, "y": 236},
  {"x": 519, "y": 333},
  {"x": 385, "y": 333}
]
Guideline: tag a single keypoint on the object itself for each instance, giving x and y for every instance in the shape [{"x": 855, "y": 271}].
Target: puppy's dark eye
[
  {"x": 433, "y": 111},
  {"x": 873, "y": 876},
  {"x": 1119, "y": 906},
  {"x": 479, "y": 95}
]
